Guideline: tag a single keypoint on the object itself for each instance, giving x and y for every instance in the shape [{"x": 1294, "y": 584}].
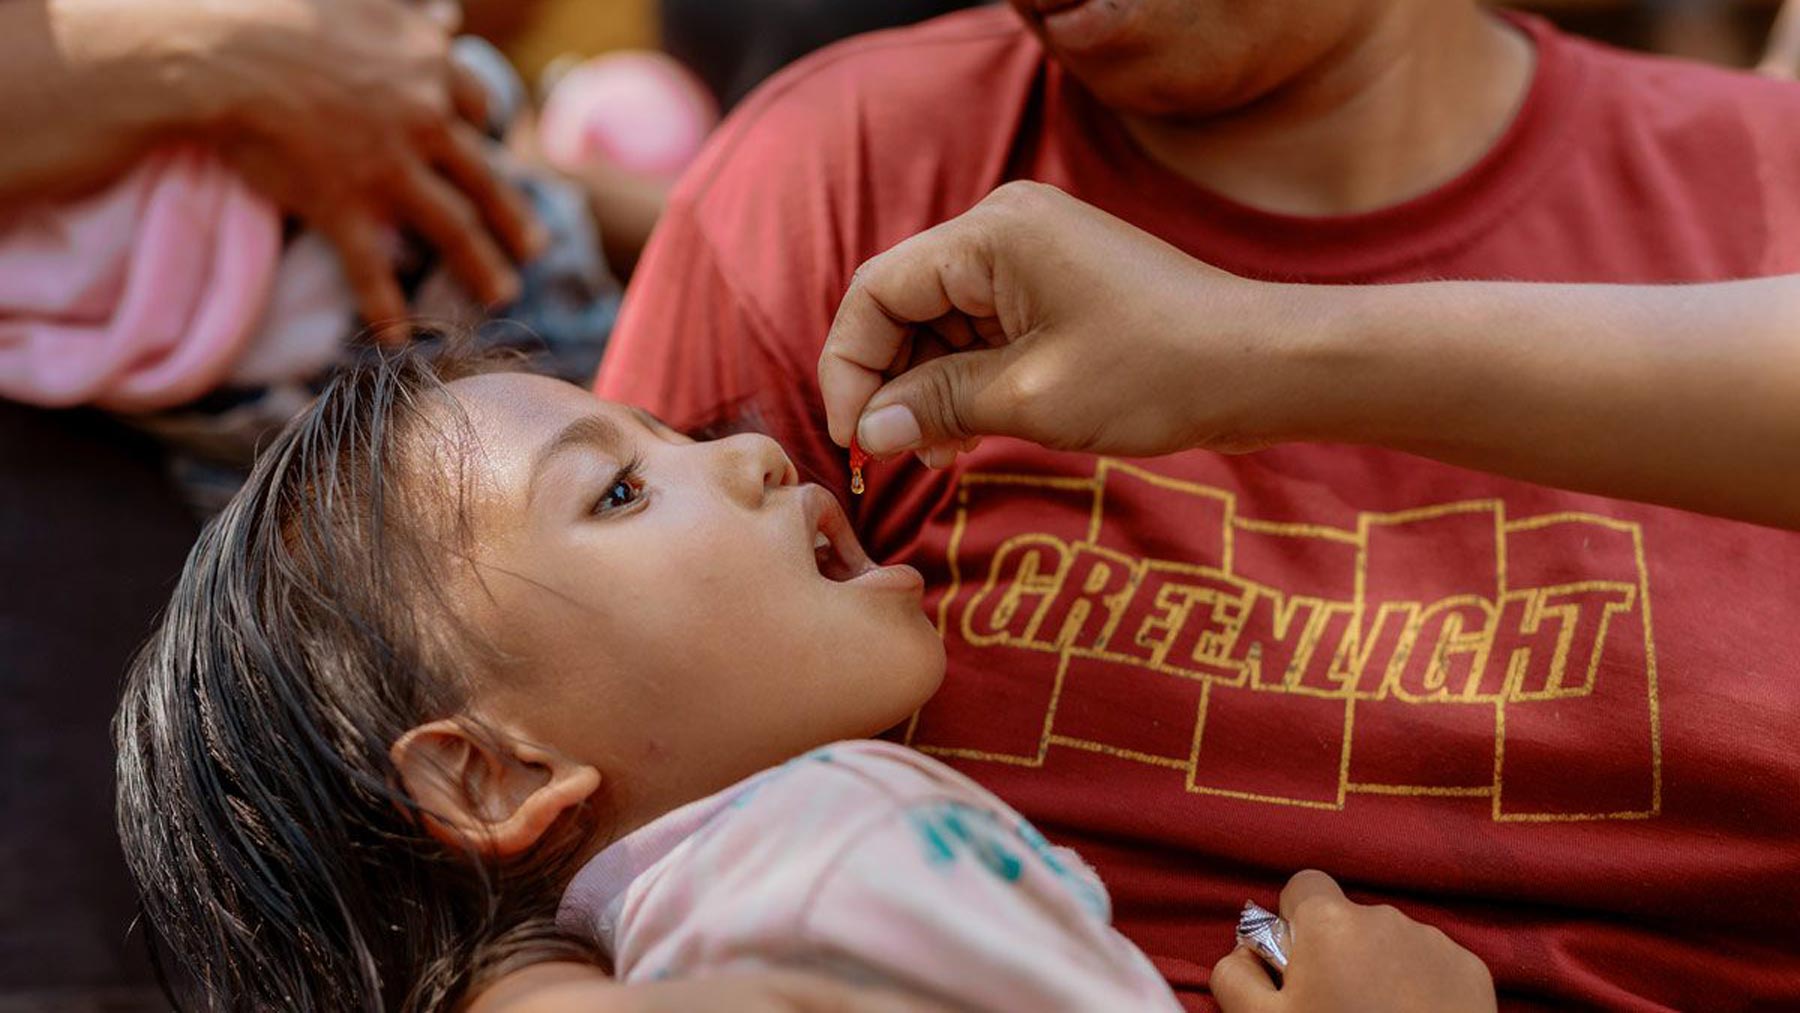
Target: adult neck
[{"x": 1405, "y": 106}]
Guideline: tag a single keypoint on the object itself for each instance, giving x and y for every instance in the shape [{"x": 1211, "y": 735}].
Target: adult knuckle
[
  {"x": 1032, "y": 388},
  {"x": 1006, "y": 208},
  {"x": 1021, "y": 193},
  {"x": 1331, "y": 918},
  {"x": 1306, "y": 876},
  {"x": 428, "y": 132},
  {"x": 1309, "y": 880},
  {"x": 421, "y": 123},
  {"x": 385, "y": 167},
  {"x": 932, "y": 395},
  {"x": 1387, "y": 919},
  {"x": 1031, "y": 416},
  {"x": 859, "y": 278},
  {"x": 460, "y": 215},
  {"x": 957, "y": 391},
  {"x": 433, "y": 43}
]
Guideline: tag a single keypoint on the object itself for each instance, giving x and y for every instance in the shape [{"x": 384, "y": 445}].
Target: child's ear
[{"x": 496, "y": 797}]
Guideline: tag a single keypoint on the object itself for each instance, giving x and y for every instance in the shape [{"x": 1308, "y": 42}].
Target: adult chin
[
  {"x": 1144, "y": 57},
  {"x": 1195, "y": 59}
]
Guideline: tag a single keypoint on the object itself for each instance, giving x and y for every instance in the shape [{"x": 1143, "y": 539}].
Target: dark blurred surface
[
  {"x": 1729, "y": 32},
  {"x": 92, "y": 537},
  {"x": 734, "y": 46}
]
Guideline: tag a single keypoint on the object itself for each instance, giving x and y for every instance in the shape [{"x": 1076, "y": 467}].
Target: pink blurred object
[
  {"x": 638, "y": 109},
  {"x": 139, "y": 297}
]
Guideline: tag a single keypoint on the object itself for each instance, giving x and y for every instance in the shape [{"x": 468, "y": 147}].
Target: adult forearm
[
  {"x": 1038, "y": 317},
  {"x": 84, "y": 84},
  {"x": 1683, "y": 395}
]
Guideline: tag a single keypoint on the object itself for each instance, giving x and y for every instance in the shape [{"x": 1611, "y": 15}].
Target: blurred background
[
  {"x": 1729, "y": 32},
  {"x": 730, "y": 49},
  {"x": 93, "y": 529}
]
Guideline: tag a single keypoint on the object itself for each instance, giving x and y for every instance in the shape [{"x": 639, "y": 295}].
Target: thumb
[
  {"x": 945, "y": 400},
  {"x": 1242, "y": 985}
]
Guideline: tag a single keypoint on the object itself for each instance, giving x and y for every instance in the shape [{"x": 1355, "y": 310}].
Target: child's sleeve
[{"x": 970, "y": 905}]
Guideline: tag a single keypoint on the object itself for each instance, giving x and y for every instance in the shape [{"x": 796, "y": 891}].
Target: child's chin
[{"x": 929, "y": 680}]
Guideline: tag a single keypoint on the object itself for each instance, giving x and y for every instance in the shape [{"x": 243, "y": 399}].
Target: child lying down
[{"x": 478, "y": 676}]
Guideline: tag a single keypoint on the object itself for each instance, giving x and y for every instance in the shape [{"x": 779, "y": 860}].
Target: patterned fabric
[{"x": 874, "y": 863}]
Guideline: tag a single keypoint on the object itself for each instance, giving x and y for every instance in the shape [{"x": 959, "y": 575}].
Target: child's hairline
[{"x": 356, "y": 440}]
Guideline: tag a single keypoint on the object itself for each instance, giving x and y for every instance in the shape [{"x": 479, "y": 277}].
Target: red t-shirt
[{"x": 1561, "y": 727}]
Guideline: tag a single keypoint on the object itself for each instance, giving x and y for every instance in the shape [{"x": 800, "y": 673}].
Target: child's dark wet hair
[{"x": 281, "y": 863}]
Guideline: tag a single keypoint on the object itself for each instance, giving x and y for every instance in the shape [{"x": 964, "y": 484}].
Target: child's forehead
[
  {"x": 513, "y": 424},
  {"x": 521, "y": 407},
  {"x": 525, "y": 400}
]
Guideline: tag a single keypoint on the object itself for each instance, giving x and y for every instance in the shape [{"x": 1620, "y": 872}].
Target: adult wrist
[
  {"x": 1390, "y": 365},
  {"x": 1311, "y": 352}
]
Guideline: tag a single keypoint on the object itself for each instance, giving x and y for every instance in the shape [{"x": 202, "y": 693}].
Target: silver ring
[{"x": 1264, "y": 933}]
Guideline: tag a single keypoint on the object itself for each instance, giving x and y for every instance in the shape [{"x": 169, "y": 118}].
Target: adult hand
[
  {"x": 582, "y": 988},
  {"x": 345, "y": 112},
  {"x": 1781, "y": 58},
  {"x": 1034, "y": 315},
  {"x": 1350, "y": 958},
  {"x": 1037, "y": 316}
]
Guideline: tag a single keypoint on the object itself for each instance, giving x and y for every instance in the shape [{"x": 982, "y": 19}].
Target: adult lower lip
[
  {"x": 1087, "y": 24},
  {"x": 898, "y": 577}
]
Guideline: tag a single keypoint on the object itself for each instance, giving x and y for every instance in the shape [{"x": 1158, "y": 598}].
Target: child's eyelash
[{"x": 629, "y": 477}]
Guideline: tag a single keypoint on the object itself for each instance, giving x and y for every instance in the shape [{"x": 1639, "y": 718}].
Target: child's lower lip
[{"x": 898, "y": 577}]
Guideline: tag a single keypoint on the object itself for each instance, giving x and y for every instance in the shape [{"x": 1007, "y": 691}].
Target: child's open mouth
[{"x": 836, "y": 552}]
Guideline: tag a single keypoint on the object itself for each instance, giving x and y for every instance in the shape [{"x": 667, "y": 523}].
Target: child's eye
[{"x": 627, "y": 487}]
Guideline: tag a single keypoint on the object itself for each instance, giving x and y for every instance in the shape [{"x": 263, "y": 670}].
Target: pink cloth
[
  {"x": 309, "y": 313},
  {"x": 640, "y": 110},
  {"x": 139, "y": 297},
  {"x": 874, "y": 863}
]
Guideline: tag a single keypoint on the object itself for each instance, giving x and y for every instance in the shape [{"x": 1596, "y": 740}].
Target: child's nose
[{"x": 756, "y": 464}]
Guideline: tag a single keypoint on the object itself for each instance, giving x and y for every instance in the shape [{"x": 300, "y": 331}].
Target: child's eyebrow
[{"x": 595, "y": 431}]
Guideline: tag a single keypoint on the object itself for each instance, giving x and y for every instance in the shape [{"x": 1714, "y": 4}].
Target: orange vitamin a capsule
[{"x": 857, "y": 459}]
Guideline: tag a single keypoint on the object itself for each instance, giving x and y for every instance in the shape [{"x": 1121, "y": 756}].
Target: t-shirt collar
[
  {"x": 591, "y": 903},
  {"x": 1109, "y": 167}
]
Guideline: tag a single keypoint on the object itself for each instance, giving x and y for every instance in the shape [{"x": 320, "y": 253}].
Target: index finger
[
  {"x": 460, "y": 152},
  {"x": 1241, "y": 983},
  {"x": 942, "y": 270},
  {"x": 368, "y": 266}
]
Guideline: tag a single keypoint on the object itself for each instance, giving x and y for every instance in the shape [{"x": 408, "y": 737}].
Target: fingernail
[
  {"x": 888, "y": 430},
  {"x": 942, "y": 455}
]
